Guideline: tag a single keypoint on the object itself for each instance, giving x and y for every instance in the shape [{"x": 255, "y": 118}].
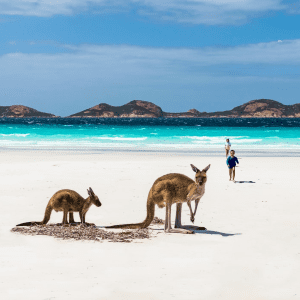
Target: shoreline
[{"x": 215, "y": 152}]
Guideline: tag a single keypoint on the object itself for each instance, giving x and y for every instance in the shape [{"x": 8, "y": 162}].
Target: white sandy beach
[{"x": 251, "y": 249}]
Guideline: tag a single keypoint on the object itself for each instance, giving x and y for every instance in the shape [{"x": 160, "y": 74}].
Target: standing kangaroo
[
  {"x": 170, "y": 189},
  {"x": 68, "y": 201}
]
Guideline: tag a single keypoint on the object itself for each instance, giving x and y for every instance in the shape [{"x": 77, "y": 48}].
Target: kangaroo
[
  {"x": 169, "y": 189},
  {"x": 68, "y": 201}
]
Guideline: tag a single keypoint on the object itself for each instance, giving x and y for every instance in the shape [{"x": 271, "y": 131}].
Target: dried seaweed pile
[
  {"x": 83, "y": 232},
  {"x": 157, "y": 220}
]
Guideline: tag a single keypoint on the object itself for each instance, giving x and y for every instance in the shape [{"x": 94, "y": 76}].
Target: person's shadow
[
  {"x": 212, "y": 232},
  {"x": 244, "y": 181}
]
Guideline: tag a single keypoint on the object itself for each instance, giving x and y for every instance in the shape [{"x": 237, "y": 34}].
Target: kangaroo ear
[
  {"x": 206, "y": 169},
  {"x": 195, "y": 169},
  {"x": 91, "y": 191}
]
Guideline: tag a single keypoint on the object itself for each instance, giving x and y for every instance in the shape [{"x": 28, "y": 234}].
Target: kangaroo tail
[
  {"x": 30, "y": 223},
  {"x": 146, "y": 222},
  {"x": 45, "y": 221}
]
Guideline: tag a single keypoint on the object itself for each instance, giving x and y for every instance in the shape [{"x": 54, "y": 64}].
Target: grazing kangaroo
[
  {"x": 170, "y": 189},
  {"x": 68, "y": 201}
]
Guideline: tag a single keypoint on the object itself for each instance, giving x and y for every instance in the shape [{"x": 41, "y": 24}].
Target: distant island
[
  {"x": 21, "y": 111},
  {"x": 262, "y": 108}
]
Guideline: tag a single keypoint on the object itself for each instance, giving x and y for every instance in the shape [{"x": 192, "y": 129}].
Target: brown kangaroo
[
  {"x": 68, "y": 201},
  {"x": 170, "y": 189}
]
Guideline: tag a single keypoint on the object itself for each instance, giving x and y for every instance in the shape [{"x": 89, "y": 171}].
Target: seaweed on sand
[{"x": 83, "y": 232}]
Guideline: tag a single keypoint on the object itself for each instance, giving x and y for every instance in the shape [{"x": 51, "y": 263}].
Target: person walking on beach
[
  {"x": 227, "y": 147},
  {"x": 231, "y": 163}
]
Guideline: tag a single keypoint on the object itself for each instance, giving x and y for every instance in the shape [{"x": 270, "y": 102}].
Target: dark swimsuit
[{"x": 231, "y": 162}]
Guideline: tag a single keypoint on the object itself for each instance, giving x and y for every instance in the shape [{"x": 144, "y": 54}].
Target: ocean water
[{"x": 187, "y": 135}]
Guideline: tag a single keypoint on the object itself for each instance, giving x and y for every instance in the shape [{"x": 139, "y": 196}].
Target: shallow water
[{"x": 150, "y": 134}]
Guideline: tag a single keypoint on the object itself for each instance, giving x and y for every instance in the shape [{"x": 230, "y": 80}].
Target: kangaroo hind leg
[
  {"x": 65, "y": 220},
  {"x": 168, "y": 228},
  {"x": 71, "y": 217}
]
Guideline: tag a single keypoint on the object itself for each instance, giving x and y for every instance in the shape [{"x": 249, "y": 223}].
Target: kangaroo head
[
  {"x": 95, "y": 200},
  {"x": 200, "y": 177}
]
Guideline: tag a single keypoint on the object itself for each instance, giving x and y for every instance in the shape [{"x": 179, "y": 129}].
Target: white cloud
[
  {"x": 210, "y": 11},
  {"x": 285, "y": 52},
  {"x": 145, "y": 64},
  {"x": 86, "y": 75},
  {"x": 186, "y": 11}
]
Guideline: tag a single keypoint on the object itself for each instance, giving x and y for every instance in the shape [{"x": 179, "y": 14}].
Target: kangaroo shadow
[
  {"x": 242, "y": 181},
  {"x": 212, "y": 232}
]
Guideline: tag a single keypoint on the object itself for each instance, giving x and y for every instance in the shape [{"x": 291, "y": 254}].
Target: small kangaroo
[
  {"x": 169, "y": 189},
  {"x": 68, "y": 201}
]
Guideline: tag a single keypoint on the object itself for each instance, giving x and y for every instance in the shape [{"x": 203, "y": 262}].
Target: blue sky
[{"x": 65, "y": 56}]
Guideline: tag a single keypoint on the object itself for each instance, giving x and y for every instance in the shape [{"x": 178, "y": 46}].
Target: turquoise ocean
[{"x": 179, "y": 135}]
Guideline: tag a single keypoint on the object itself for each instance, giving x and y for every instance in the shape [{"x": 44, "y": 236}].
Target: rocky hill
[
  {"x": 21, "y": 111},
  {"x": 133, "y": 109},
  {"x": 262, "y": 108}
]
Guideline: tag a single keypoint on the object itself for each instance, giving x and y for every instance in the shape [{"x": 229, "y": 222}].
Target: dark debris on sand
[
  {"x": 157, "y": 220},
  {"x": 83, "y": 232}
]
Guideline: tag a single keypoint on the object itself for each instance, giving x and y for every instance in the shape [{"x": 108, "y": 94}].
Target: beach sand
[{"x": 251, "y": 249}]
